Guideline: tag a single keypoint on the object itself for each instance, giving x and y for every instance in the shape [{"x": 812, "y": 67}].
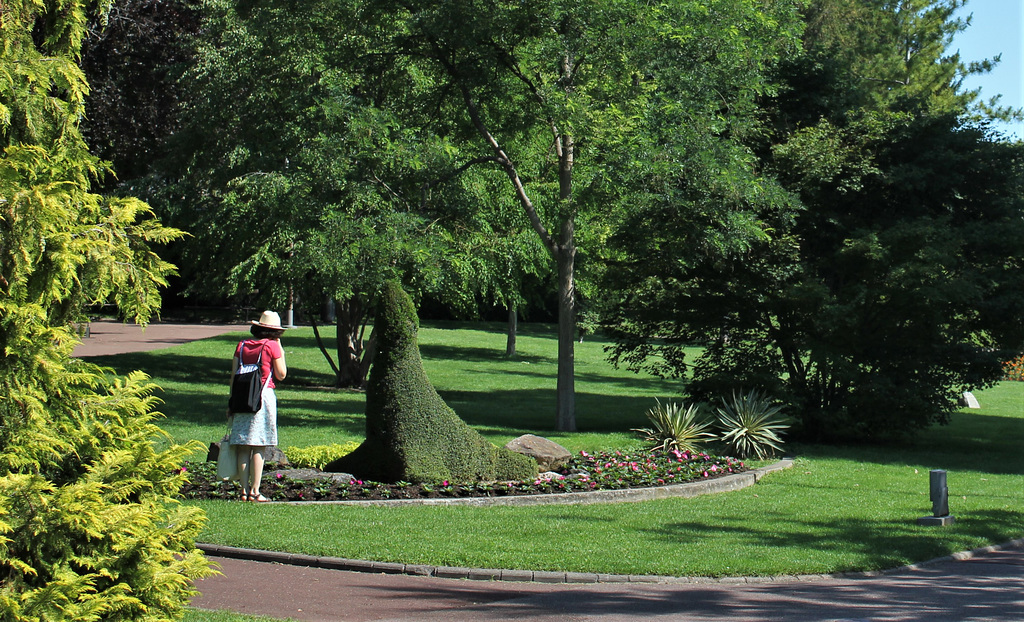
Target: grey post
[
  {"x": 939, "y": 493},
  {"x": 940, "y": 500}
]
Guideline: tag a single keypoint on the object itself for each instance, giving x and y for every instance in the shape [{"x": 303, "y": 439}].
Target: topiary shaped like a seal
[{"x": 411, "y": 434}]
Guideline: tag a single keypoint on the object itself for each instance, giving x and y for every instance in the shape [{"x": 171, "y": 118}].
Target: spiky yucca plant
[
  {"x": 676, "y": 426},
  {"x": 750, "y": 425}
]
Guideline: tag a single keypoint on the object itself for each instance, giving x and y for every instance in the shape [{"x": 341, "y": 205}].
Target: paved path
[
  {"x": 985, "y": 585},
  {"x": 110, "y": 337}
]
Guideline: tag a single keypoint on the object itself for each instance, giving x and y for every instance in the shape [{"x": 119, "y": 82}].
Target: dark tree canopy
[
  {"x": 132, "y": 58},
  {"x": 889, "y": 279}
]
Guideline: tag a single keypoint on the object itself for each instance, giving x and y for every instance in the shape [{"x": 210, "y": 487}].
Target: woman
[{"x": 252, "y": 433}]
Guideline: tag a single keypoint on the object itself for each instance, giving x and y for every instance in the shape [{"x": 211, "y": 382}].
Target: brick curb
[{"x": 542, "y": 576}]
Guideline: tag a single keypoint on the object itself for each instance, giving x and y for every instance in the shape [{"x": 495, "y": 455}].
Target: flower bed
[
  {"x": 583, "y": 473},
  {"x": 1014, "y": 370}
]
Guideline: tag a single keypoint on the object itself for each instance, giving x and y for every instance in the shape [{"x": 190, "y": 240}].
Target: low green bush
[{"x": 318, "y": 456}]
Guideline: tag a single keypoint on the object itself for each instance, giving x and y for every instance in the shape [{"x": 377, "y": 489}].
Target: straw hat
[{"x": 269, "y": 319}]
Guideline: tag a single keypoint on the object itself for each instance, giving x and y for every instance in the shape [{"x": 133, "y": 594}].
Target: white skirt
[{"x": 258, "y": 429}]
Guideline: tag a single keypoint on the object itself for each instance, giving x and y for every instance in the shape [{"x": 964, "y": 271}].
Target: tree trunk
[
  {"x": 350, "y": 315},
  {"x": 510, "y": 341},
  {"x": 566, "y": 390},
  {"x": 565, "y": 258},
  {"x": 563, "y": 251}
]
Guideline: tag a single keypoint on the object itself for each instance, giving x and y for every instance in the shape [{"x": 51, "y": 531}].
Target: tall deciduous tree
[
  {"x": 553, "y": 93},
  {"x": 81, "y": 481},
  {"x": 298, "y": 183}
]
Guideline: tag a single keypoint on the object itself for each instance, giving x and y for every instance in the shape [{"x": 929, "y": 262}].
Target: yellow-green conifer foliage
[
  {"x": 411, "y": 434},
  {"x": 89, "y": 525}
]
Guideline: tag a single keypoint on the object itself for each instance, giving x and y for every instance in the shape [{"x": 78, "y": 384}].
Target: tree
[
  {"x": 297, "y": 184},
  {"x": 281, "y": 174},
  {"x": 882, "y": 294},
  {"x": 411, "y": 434},
  {"x": 550, "y": 92},
  {"x": 89, "y": 527}
]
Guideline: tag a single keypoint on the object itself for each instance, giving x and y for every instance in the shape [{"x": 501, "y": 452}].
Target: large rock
[{"x": 548, "y": 454}]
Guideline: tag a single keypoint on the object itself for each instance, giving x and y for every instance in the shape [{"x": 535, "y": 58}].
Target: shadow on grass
[
  {"x": 478, "y": 355},
  {"x": 177, "y": 367},
  {"x": 533, "y": 410},
  {"x": 306, "y": 401},
  {"x": 972, "y": 443},
  {"x": 876, "y": 543},
  {"x": 669, "y": 388}
]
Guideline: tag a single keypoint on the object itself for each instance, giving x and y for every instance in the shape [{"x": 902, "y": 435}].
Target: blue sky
[{"x": 997, "y": 28}]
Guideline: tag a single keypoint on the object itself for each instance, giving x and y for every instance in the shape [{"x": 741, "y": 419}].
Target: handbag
[
  {"x": 247, "y": 387},
  {"x": 227, "y": 460}
]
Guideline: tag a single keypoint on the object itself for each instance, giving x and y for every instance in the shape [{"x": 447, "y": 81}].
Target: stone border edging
[
  {"x": 483, "y": 574},
  {"x": 540, "y": 576}
]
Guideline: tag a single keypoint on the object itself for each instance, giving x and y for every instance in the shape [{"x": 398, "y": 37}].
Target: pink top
[{"x": 250, "y": 351}]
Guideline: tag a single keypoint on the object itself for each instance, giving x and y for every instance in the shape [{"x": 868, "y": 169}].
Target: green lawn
[
  {"x": 839, "y": 508},
  {"x": 501, "y": 397}
]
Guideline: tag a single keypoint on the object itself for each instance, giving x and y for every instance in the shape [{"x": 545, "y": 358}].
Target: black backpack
[{"x": 247, "y": 388}]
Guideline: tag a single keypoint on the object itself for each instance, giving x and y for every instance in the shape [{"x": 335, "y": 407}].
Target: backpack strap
[{"x": 259, "y": 359}]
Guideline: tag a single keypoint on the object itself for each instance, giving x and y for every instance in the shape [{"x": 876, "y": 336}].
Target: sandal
[
  {"x": 259, "y": 498},
  {"x": 244, "y": 496}
]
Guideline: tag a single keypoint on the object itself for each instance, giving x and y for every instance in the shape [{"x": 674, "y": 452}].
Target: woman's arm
[
  {"x": 278, "y": 365},
  {"x": 231, "y": 380}
]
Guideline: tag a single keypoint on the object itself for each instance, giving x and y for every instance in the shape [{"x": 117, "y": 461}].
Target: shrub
[
  {"x": 750, "y": 425},
  {"x": 318, "y": 456},
  {"x": 676, "y": 426},
  {"x": 89, "y": 525},
  {"x": 411, "y": 434}
]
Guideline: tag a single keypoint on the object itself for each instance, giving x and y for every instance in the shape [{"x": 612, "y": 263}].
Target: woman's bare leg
[
  {"x": 243, "y": 460},
  {"x": 256, "y": 468}
]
